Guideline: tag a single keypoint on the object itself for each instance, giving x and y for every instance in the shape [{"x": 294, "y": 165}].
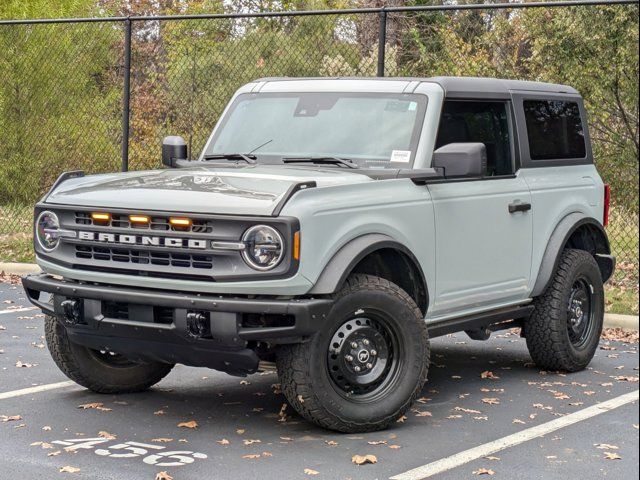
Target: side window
[
  {"x": 554, "y": 128},
  {"x": 476, "y": 121}
]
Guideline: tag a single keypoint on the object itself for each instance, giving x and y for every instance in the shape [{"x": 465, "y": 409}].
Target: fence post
[
  {"x": 126, "y": 95},
  {"x": 382, "y": 41}
]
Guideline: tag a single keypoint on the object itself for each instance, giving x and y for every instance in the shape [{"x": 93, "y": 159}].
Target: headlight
[
  {"x": 47, "y": 230},
  {"x": 264, "y": 247}
]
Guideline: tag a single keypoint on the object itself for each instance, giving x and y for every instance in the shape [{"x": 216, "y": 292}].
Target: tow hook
[
  {"x": 198, "y": 325},
  {"x": 72, "y": 311}
]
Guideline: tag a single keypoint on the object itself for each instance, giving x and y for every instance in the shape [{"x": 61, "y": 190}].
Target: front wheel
[
  {"x": 564, "y": 329},
  {"x": 366, "y": 366},
  {"x": 99, "y": 371}
]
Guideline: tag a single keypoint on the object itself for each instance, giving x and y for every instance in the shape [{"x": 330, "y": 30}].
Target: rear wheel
[
  {"x": 364, "y": 369},
  {"x": 564, "y": 330},
  {"x": 100, "y": 371}
]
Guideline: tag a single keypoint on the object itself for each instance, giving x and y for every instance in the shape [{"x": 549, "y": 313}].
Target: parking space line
[
  {"x": 38, "y": 389},
  {"x": 16, "y": 310},
  {"x": 480, "y": 451}
]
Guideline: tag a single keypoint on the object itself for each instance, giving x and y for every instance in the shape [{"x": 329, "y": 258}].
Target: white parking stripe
[
  {"x": 38, "y": 389},
  {"x": 16, "y": 310},
  {"x": 467, "y": 456}
]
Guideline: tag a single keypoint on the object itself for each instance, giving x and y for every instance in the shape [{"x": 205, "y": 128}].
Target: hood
[{"x": 246, "y": 190}]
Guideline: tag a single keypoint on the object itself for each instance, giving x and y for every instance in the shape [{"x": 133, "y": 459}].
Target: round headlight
[
  {"x": 47, "y": 227},
  {"x": 264, "y": 247}
]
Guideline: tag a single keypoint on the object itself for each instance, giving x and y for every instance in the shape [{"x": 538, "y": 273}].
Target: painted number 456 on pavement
[{"x": 152, "y": 454}]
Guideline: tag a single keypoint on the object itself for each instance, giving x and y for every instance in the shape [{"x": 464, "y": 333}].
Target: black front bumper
[{"x": 144, "y": 324}]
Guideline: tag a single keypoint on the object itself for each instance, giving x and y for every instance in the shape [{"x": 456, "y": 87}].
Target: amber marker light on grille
[
  {"x": 139, "y": 219},
  {"x": 101, "y": 217},
  {"x": 296, "y": 246},
  {"x": 180, "y": 222}
]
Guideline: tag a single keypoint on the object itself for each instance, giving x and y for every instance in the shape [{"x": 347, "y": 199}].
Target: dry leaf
[
  {"x": 224, "y": 441},
  {"x": 240, "y": 431},
  {"x": 378, "y": 442},
  {"x": 251, "y": 456},
  {"x": 163, "y": 476},
  {"x": 309, "y": 471},
  {"x": 159, "y": 412},
  {"x": 251, "y": 441},
  {"x": 107, "y": 435},
  {"x": 605, "y": 446},
  {"x": 331, "y": 443},
  {"x": 94, "y": 406},
  {"x": 68, "y": 469},
  {"x": 517, "y": 420},
  {"x": 484, "y": 471},
  {"x": 162, "y": 440},
  {"x": 489, "y": 374},
  {"x": 612, "y": 456},
  {"x": 466, "y": 410},
  {"x": 491, "y": 401},
  {"x": 10, "y": 418},
  {"x": 364, "y": 459},
  {"x": 394, "y": 447},
  {"x": 189, "y": 424}
]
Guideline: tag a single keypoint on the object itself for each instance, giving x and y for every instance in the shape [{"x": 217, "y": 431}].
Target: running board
[{"x": 492, "y": 320}]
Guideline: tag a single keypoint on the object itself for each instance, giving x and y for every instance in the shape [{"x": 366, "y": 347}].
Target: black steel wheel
[
  {"x": 564, "y": 329},
  {"x": 365, "y": 368}
]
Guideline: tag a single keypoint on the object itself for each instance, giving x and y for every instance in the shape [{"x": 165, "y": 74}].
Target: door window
[{"x": 484, "y": 122}]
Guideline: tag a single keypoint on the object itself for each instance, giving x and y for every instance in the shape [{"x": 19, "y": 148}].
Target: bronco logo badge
[{"x": 143, "y": 240}]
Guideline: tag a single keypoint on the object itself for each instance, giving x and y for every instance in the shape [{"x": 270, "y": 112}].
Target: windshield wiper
[
  {"x": 345, "y": 162},
  {"x": 232, "y": 156}
]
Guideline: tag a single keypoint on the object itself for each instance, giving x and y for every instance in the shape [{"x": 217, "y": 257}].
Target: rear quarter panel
[{"x": 556, "y": 192}]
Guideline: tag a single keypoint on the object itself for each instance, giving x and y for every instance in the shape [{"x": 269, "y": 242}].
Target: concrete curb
[{"x": 611, "y": 320}]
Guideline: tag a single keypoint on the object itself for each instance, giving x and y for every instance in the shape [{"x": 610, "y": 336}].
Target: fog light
[
  {"x": 198, "y": 325},
  {"x": 72, "y": 311}
]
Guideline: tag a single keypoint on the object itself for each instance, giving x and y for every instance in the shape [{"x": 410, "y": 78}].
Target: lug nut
[
  {"x": 365, "y": 341},
  {"x": 354, "y": 345},
  {"x": 373, "y": 353},
  {"x": 369, "y": 366},
  {"x": 348, "y": 358},
  {"x": 356, "y": 368}
]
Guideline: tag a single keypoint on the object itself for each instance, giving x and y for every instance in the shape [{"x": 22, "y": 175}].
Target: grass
[{"x": 621, "y": 291}]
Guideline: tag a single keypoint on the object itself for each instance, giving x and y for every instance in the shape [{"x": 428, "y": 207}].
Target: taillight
[{"x": 607, "y": 203}]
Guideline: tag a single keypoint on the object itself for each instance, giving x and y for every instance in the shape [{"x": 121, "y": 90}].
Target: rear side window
[
  {"x": 484, "y": 122},
  {"x": 555, "y": 130}
]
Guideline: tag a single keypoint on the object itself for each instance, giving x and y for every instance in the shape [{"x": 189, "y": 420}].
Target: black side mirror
[
  {"x": 461, "y": 159},
  {"x": 174, "y": 149}
]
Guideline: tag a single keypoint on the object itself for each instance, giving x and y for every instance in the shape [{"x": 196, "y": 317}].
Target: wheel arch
[
  {"x": 577, "y": 231},
  {"x": 379, "y": 255}
]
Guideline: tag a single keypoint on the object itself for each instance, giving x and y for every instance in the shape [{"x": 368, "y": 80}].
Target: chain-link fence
[{"x": 65, "y": 85}]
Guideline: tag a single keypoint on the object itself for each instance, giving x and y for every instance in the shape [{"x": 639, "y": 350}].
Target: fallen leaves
[
  {"x": 163, "y": 476},
  {"x": 223, "y": 441},
  {"x": 189, "y": 424},
  {"x": 484, "y": 471},
  {"x": 251, "y": 441},
  {"x": 612, "y": 456},
  {"x": 467, "y": 410},
  {"x": 69, "y": 469},
  {"x": 94, "y": 406},
  {"x": 10, "y": 418},
  {"x": 20, "y": 364},
  {"x": 309, "y": 471},
  {"x": 364, "y": 459},
  {"x": 489, "y": 374},
  {"x": 491, "y": 401},
  {"x": 605, "y": 446},
  {"x": 162, "y": 440},
  {"x": 107, "y": 435}
]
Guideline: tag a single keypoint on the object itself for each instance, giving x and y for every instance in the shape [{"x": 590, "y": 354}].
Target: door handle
[{"x": 519, "y": 206}]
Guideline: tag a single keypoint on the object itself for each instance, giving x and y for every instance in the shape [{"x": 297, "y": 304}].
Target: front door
[{"x": 483, "y": 228}]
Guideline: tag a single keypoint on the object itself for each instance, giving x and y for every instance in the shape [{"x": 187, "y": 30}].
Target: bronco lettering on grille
[{"x": 144, "y": 240}]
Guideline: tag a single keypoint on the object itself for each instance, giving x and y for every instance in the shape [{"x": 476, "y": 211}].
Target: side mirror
[
  {"x": 173, "y": 150},
  {"x": 461, "y": 159}
]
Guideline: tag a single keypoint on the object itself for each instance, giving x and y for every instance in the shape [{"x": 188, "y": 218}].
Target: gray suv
[{"x": 328, "y": 230}]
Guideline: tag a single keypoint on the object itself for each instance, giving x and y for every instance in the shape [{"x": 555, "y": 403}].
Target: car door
[{"x": 483, "y": 226}]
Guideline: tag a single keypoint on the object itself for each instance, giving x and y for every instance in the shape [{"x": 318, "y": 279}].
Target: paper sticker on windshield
[{"x": 403, "y": 156}]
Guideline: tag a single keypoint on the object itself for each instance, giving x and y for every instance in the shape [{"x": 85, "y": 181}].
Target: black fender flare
[
  {"x": 344, "y": 261},
  {"x": 557, "y": 243}
]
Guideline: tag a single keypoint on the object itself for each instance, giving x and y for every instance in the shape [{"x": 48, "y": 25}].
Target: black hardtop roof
[{"x": 461, "y": 87}]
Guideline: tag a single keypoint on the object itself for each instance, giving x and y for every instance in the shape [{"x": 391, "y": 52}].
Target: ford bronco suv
[{"x": 328, "y": 229}]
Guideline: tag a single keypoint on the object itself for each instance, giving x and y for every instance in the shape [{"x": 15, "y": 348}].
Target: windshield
[{"x": 371, "y": 129}]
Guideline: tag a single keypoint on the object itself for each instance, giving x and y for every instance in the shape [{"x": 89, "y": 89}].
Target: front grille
[
  {"x": 145, "y": 257},
  {"x": 160, "y": 224}
]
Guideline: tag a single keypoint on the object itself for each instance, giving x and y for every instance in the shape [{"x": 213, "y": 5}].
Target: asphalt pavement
[{"x": 486, "y": 412}]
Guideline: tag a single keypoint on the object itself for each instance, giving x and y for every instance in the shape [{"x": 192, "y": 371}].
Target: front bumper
[{"x": 145, "y": 324}]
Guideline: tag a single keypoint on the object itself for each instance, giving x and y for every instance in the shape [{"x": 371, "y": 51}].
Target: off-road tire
[
  {"x": 547, "y": 331},
  {"x": 304, "y": 372},
  {"x": 84, "y": 366}
]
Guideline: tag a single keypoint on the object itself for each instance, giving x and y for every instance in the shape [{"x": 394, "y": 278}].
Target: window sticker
[{"x": 403, "y": 156}]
